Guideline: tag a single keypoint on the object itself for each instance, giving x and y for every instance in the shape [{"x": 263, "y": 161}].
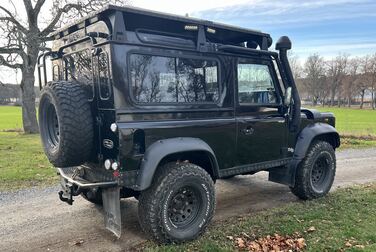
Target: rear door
[
  {"x": 261, "y": 125},
  {"x": 107, "y": 140}
]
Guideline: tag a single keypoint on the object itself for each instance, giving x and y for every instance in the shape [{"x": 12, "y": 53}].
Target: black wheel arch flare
[{"x": 163, "y": 148}]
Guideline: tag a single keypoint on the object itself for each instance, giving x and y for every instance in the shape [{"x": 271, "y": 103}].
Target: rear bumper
[
  {"x": 71, "y": 179},
  {"x": 73, "y": 184}
]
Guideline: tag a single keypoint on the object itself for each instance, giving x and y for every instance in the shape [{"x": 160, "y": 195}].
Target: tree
[
  {"x": 23, "y": 38},
  {"x": 350, "y": 81},
  {"x": 336, "y": 72},
  {"x": 370, "y": 75},
  {"x": 295, "y": 65},
  {"x": 314, "y": 70}
]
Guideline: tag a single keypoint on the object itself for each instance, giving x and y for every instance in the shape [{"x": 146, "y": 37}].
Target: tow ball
[
  {"x": 68, "y": 200},
  {"x": 67, "y": 195}
]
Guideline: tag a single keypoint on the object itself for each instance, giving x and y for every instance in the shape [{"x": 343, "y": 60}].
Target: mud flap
[{"x": 111, "y": 206}]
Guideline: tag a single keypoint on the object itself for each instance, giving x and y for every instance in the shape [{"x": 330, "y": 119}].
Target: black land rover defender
[{"x": 158, "y": 107}]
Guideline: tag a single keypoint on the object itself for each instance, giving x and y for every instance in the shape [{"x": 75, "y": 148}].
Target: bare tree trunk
[
  {"x": 29, "y": 117},
  {"x": 332, "y": 98},
  {"x": 362, "y": 99}
]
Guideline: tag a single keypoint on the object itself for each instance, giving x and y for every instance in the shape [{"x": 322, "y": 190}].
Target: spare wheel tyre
[{"x": 66, "y": 123}]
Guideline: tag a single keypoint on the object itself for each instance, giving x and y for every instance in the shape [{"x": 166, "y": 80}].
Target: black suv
[{"x": 158, "y": 107}]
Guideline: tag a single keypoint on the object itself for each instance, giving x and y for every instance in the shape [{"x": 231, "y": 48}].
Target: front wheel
[
  {"x": 179, "y": 205},
  {"x": 315, "y": 174}
]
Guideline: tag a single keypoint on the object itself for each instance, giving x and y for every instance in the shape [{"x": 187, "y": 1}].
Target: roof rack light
[
  {"x": 191, "y": 27},
  {"x": 210, "y": 30}
]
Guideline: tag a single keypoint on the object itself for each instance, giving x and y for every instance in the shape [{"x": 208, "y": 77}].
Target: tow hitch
[{"x": 68, "y": 200}]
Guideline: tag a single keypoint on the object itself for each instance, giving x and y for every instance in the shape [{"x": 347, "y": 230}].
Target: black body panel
[{"x": 216, "y": 129}]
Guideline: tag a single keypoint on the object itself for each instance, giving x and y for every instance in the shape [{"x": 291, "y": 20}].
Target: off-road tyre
[
  {"x": 66, "y": 124},
  {"x": 157, "y": 203},
  {"x": 93, "y": 196},
  {"x": 309, "y": 182}
]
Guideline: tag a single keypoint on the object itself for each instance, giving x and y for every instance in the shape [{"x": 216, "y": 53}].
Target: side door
[{"x": 261, "y": 124}]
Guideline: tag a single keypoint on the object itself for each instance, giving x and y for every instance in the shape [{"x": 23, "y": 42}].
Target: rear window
[
  {"x": 78, "y": 67},
  {"x": 159, "y": 79}
]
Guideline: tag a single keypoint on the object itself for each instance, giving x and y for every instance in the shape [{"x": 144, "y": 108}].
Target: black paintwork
[{"x": 225, "y": 137}]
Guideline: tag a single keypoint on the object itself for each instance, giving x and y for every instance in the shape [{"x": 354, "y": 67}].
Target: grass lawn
[
  {"x": 22, "y": 160},
  {"x": 353, "y": 121},
  {"x": 343, "y": 221},
  {"x": 10, "y": 118}
]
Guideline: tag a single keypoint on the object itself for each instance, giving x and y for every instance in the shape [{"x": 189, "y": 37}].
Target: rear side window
[
  {"x": 104, "y": 79},
  {"x": 158, "y": 79},
  {"x": 78, "y": 67}
]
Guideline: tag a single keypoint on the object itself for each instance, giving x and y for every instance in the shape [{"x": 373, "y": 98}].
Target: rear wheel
[
  {"x": 179, "y": 205},
  {"x": 315, "y": 174}
]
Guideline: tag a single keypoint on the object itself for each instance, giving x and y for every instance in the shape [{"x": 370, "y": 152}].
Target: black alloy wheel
[
  {"x": 52, "y": 126},
  {"x": 184, "y": 206},
  {"x": 319, "y": 173}
]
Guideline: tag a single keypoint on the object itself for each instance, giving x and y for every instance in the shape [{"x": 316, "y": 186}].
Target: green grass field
[
  {"x": 10, "y": 118},
  {"x": 343, "y": 221},
  {"x": 353, "y": 121},
  {"x": 23, "y": 163},
  {"x": 22, "y": 160}
]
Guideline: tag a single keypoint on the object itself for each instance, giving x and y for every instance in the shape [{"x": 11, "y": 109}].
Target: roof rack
[{"x": 123, "y": 19}]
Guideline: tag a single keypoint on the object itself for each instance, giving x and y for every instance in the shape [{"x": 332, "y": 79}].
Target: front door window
[{"x": 255, "y": 85}]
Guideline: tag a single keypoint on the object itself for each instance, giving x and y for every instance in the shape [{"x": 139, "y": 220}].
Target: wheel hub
[
  {"x": 53, "y": 126},
  {"x": 319, "y": 171},
  {"x": 183, "y": 207}
]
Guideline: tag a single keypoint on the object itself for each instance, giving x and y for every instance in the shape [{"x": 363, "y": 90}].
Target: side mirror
[{"x": 288, "y": 96}]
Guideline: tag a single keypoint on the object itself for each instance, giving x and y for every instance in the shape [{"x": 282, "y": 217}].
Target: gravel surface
[{"x": 36, "y": 220}]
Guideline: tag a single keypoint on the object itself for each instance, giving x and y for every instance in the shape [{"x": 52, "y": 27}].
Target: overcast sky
[{"x": 327, "y": 27}]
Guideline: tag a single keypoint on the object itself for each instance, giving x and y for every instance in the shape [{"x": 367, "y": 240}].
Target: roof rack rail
[{"x": 121, "y": 20}]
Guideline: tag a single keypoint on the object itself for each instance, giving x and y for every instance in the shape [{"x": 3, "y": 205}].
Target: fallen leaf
[
  {"x": 348, "y": 244},
  {"x": 311, "y": 229},
  {"x": 240, "y": 243},
  {"x": 359, "y": 246},
  {"x": 78, "y": 243},
  {"x": 245, "y": 234},
  {"x": 230, "y": 237},
  {"x": 300, "y": 243},
  {"x": 254, "y": 246}
]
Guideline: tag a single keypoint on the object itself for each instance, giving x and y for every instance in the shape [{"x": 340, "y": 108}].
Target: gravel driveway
[{"x": 36, "y": 220}]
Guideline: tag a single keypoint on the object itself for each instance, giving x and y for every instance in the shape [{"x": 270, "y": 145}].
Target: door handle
[{"x": 248, "y": 131}]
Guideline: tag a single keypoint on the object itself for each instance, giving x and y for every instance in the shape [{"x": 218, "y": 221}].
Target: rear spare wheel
[{"x": 66, "y": 123}]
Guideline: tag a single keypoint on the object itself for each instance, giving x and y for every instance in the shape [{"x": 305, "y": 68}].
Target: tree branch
[
  {"x": 29, "y": 11},
  {"x": 61, "y": 11},
  {"x": 12, "y": 19},
  {"x": 3, "y": 62},
  {"x": 38, "y": 6},
  {"x": 10, "y": 50}
]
